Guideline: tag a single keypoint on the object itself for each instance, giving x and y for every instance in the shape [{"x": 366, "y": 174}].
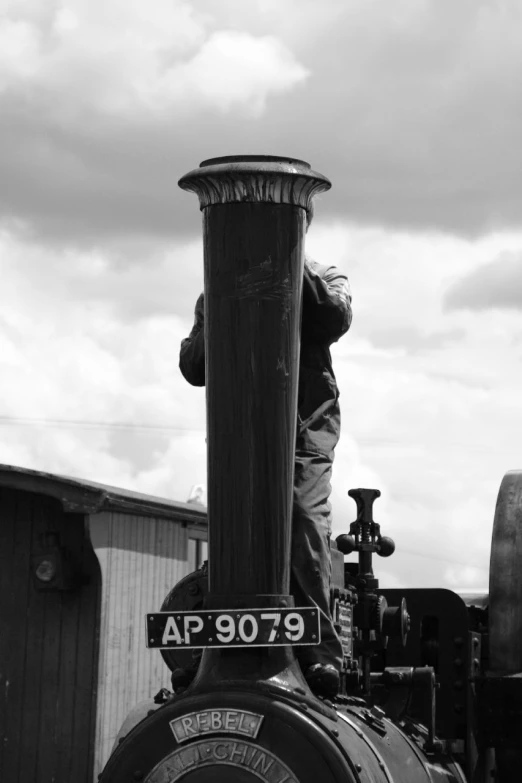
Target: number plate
[
  {"x": 345, "y": 621},
  {"x": 238, "y": 628}
]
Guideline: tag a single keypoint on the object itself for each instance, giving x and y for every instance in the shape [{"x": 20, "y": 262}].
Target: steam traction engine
[{"x": 422, "y": 698}]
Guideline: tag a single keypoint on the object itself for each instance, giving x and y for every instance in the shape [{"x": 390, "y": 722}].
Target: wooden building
[{"x": 80, "y": 565}]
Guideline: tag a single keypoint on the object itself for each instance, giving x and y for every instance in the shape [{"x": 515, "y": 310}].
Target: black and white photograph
[{"x": 261, "y": 389}]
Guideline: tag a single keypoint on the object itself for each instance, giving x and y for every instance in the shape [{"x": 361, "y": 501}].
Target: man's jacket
[{"x": 327, "y": 315}]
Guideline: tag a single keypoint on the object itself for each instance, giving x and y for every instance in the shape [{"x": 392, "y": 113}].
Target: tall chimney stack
[{"x": 254, "y": 212}]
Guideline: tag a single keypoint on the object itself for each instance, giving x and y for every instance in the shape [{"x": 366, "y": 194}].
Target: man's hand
[{"x": 192, "y": 352}]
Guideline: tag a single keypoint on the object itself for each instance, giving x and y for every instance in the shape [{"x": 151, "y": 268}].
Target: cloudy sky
[{"x": 413, "y": 109}]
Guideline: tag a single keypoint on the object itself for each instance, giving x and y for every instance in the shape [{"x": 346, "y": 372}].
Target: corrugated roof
[{"x": 90, "y": 497}]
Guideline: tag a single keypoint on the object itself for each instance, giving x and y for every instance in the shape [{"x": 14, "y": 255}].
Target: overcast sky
[{"x": 413, "y": 109}]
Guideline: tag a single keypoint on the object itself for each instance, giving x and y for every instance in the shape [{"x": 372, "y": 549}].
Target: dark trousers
[{"x": 311, "y": 561}]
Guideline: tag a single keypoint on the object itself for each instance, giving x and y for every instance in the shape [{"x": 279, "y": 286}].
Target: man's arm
[
  {"x": 192, "y": 353},
  {"x": 327, "y": 311}
]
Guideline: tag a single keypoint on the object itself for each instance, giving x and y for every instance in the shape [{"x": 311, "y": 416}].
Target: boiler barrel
[{"x": 246, "y": 737}]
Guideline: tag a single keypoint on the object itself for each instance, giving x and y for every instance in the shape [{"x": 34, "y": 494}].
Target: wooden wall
[
  {"x": 141, "y": 559},
  {"x": 48, "y": 647},
  {"x": 74, "y": 662}
]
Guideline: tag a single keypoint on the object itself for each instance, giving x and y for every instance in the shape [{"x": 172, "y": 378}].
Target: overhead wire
[
  {"x": 7, "y": 420},
  {"x": 86, "y": 423}
]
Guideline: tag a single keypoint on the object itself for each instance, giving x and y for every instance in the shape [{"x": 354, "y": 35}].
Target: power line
[
  {"x": 88, "y": 424},
  {"x": 23, "y": 421},
  {"x": 369, "y": 440}
]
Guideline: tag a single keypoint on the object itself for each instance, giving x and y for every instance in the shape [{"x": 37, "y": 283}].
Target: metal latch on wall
[{"x": 53, "y": 568}]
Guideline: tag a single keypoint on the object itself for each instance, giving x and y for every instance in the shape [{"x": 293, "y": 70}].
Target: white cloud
[
  {"x": 234, "y": 67},
  {"x": 76, "y": 347},
  {"x": 497, "y": 284},
  {"x": 411, "y": 108},
  {"x": 121, "y": 57},
  {"x": 94, "y": 335},
  {"x": 180, "y": 467},
  {"x": 435, "y": 431}
]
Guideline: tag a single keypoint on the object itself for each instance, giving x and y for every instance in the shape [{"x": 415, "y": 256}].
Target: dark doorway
[{"x": 49, "y": 633}]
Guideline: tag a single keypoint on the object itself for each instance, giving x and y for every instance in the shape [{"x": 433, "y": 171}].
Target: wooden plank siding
[
  {"x": 48, "y": 647},
  {"x": 141, "y": 559}
]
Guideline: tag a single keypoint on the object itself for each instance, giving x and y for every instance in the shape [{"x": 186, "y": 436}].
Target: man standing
[{"x": 326, "y": 317}]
